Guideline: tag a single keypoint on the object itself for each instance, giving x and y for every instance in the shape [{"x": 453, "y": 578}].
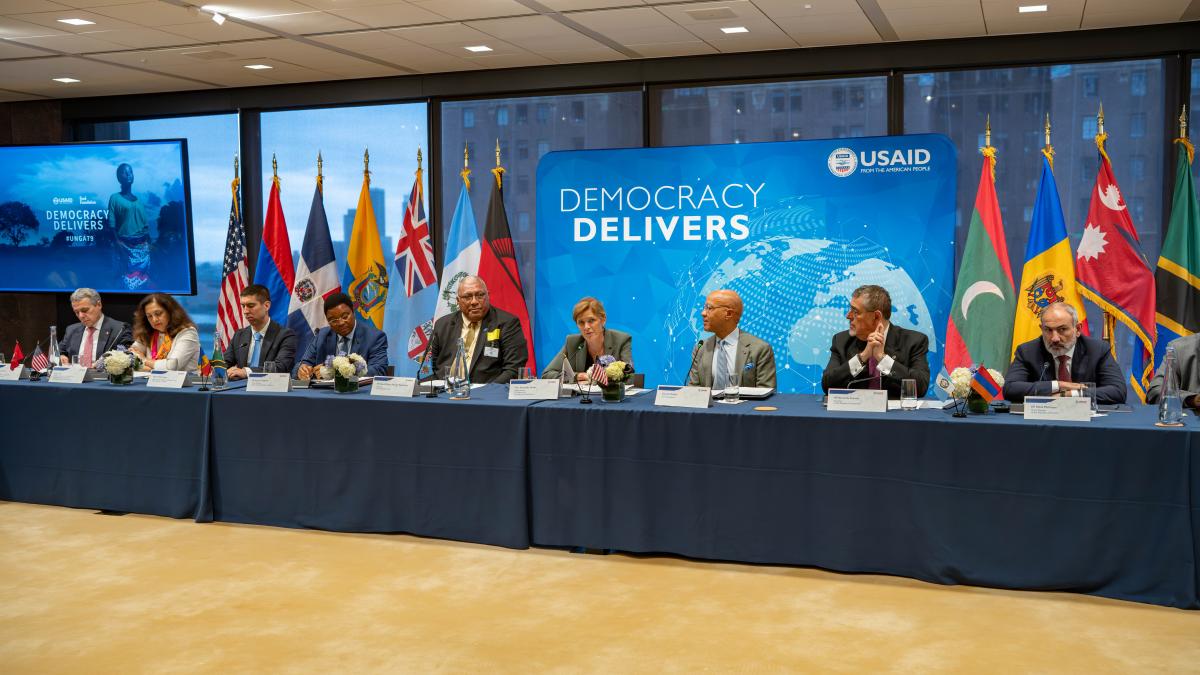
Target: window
[
  {"x": 1090, "y": 127},
  {"x": 577, "y": 111},
  {"x": 1137, "y": 125},
  {"x": 543, "y": 113},
  {"x": 522, "y": 149},
  {"x": 502, "y": 116},
  {"x": 1091, "y": 85},
  {"x": 724, "y": 116},
  {"x": 1137, "y": 83},
  {"x": 468, "y": 117},
  {"x": 522, "y": 113},
  {"x": 392, "y": 134}
]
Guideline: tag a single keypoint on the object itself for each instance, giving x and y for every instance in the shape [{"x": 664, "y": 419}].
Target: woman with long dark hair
[{"x": 164, "y": 336}]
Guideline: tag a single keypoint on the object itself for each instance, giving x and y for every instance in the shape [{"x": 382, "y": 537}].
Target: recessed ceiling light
[
  {"x": 735, "y": 29},
  {"x": 478, "y": 48},
  {"x": 218, "y": 19},
  {"x": 66, "y": 80},
  {"x": 1026, "y": 9},
  {"x": 77, "y": 22},
  {"x": 258, "y": 66}
]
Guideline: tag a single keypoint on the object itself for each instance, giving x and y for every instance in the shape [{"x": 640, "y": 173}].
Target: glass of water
[
  {"x": 524, "y": 373},
  {"x": 908, "y": 395},
  {"x": 733, "y": 392},
  {"x": 268, "y": 366},
  {"x": 1089, "y": 390}
]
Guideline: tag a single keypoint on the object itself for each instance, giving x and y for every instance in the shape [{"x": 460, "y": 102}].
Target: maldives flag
[
  {"x": 981, "y": 318},
  {"x": 273, "y": 268},
  {"x": 1113, "y": 272},
  {"x": 498, "y": 265}
]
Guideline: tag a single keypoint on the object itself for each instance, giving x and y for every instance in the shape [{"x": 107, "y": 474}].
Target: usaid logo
[
  {"x": 910, "y": 157},
  {"x": 63, "y": 200},
  {"x": 842, "y": 162}
]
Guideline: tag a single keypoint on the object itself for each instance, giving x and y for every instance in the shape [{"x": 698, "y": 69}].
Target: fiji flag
[
  {"x": 273, "y": 268},
  {"x": 316, "y": 275},
  {"x": 409, "y": 315}
]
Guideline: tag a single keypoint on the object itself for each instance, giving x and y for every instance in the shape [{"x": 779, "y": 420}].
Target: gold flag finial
[
  {"x": 987, "y": 132},
  {"x": 497, "y": 152},
  {"x": 235, "y": 166},
  {"x": 1100, "y": 118},
  {"x": 1047, "y": 130},
  {"x": 466, "y": 171},
  {"x": 418, "y": 158},
  {"x": 1183, "y": 136},
  {"x": 320, "y": 174},
  {"x": 498, "y": 172},
  {"x": 1101, "y": 137},
  {"x": 274, "y": 166},
  {"x": 1048, "y": 151},
  {"x": 987, "y": 150},
  {"x": 1183, "y": 122}
]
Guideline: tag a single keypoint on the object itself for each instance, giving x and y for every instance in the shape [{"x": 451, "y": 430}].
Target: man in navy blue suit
[
  {"x": 345, "y": 335},
  {"x": 1058, "y": 362}
]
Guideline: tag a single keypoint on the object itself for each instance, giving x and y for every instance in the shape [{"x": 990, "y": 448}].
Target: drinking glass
[
  {"x": 1089, "y": 390},
  {"x": 74, "y": 360},
  {"x": 908, "y": 395},
  {"x": 268, "y": 366},
  {"x": 524, "y": 373},
  {"x": 733, "y": 392}
]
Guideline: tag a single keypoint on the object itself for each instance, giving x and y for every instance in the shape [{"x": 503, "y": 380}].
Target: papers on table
[
  {"x": 753, "y": 393},
  {"x": 921, "y": 403},
  {"x": 568, "y": 389}
]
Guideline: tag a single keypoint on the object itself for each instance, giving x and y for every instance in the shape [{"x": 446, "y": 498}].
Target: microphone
[
  {"x": 696, "y": 351},
  {"x": 421, "y": 366}
]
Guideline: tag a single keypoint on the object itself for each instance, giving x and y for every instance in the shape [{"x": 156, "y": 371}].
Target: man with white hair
[
  {"x": 95, "y": 333},
  {"x": 1061, "y": 360},
  {"x": 494, "y": 341}
]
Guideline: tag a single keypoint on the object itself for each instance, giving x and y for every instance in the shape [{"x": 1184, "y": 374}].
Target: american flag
[
  {"x": 39, "y": 362},
  {"x": 414, "y": 252},
  {"x": 234, "y": 276},
  {"x": 598, "y": 375}
]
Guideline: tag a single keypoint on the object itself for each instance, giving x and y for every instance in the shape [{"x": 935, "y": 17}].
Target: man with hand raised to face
[{"x": 874, "y": 353}]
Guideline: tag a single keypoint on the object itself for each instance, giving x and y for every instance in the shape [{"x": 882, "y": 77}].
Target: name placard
[
  {"x": 534, "y": 390},
  {"x": 68, "y": 374},
  {"x": 400, "y": 387},
  {"x": 13, "y": 375},
  {"x": 1069, "y": 409},
  {"x": 857, "y": 400},
  {"x": 167, "y": 379},
  {"x": 269, "y": 383},
  {"x": 672, "y": 396}
]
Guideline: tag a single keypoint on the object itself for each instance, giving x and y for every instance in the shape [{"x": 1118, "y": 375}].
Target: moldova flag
[
  {"x": 273, "y": 268},
  {"x": 984, "y": 384}
]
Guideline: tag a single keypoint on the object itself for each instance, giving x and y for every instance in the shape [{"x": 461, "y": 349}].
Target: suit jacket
[
  {"x": 906, "y": 347},
  {"x": 184, "y": 353},
  {"x": 278, "y": 345},
  {"x": 511, "y": 350},
  {"x": 112, "y": 333},
  {"x": 574, "y": 351},
  {"x": 1187, "y": 356},
  {"x": 755, "y": 361},
  {"x": 367, "y": 341},
  {"x": 1034, "y": 368}
]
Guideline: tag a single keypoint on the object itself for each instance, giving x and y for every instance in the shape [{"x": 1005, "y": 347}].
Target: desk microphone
[
  {"x": 421, "y": 366},
  {"x": 695, "y": 352},
  {"x": 1045, "y": 365}
]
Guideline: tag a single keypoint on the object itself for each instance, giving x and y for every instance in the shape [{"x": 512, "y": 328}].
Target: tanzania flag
[
  {"x": 1178, "y": 274},
  {"x": 980, "y": 325},
  {"x": 366, "y": 277},
  {"x": 1049, "y": 272}
]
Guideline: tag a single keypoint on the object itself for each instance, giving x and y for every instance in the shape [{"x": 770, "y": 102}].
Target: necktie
[
  {"x": 721, "y": 367},
  {"x": 469, "y": 341},
  {"x": 85, "y": 359},
  {"x": 343, "y": 349},
  {"x": 1064, "y": 375},
  {"x": 873, "y": 372},
  {"x": 254, "y": 349}
]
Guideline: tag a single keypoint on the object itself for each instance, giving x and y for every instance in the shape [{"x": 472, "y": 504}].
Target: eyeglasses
[
  {"x": 709, "y": 308},
  {"x": 478, "y": 295},
  {"x": 345, "y": 318}
]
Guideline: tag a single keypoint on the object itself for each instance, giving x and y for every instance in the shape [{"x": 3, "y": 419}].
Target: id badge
[{"x": 491, "y": 352}]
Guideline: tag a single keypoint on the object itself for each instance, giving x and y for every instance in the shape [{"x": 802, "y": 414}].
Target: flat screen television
[{"x": 113, "y": 216}]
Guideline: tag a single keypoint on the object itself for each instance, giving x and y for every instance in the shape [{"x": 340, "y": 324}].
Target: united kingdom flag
[
  {"x": 414, "y": 252},
  {"x": 409, "y": 315}
]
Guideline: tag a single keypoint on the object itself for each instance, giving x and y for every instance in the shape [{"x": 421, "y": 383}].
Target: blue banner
[{"x": 793, "y": 227}]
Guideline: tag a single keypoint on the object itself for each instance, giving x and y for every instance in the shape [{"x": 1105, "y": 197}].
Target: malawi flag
[
  {"x": 980, "y": 325},
  {"x": 273, "y": 268},
  {"x": 1178, "y": 274},
  {"x": 1113, "y": 271},
  {"x": 1049, "y": 272},
  {"x": 498, "y": 265}
]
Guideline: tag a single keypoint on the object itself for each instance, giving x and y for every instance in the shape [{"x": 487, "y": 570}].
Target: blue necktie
[
  {"x": 254, "y": 350},
  {"x": 721, "y": 368}
]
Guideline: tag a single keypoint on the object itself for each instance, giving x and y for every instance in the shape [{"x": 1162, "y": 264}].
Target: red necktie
[
  {"x": 1064, "y": 375},
  {"x": 85, "y": 359}
]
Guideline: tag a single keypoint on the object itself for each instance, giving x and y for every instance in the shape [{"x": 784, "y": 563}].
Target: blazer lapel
[
  {"x": 578, "y": 356},
  {"x": 481, "y": 337},
  {"x": 743, "y": 355},
  {"x": 1077, "y": 360},
  {"x": 269, "y": 340},
  {"x": 710, "y": 346}
]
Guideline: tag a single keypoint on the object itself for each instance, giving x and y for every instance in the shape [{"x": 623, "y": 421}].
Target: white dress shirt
[
  {"x": 885, "y": 364},
  {"x": 730, "y": 352}
]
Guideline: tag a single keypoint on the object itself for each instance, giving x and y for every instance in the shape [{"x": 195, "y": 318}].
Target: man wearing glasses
[
  {"x": 874, "y": 353},
  {"x": 345, "y": 335},
  {"x": 730, "y": 356},
  {"x": 493, "y": 339}
]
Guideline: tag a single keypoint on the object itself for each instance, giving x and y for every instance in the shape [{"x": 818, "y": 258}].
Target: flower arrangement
[
  {"x": 120, "y": 365},
  {"x": 961, "y": 379},
  {"x": 611, "y": 375},
  {"x": 345, "y": 371},
  {"x": 616, "y": 371}
]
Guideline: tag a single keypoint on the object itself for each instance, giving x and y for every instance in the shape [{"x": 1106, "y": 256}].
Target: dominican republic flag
[
  {"x": 462, "y": 254},
  {"x": 234, "y": 276},
  {"x": 274, "y": 267},
  {"x": 984, "y": 384},
  {"x": 316, "y": 275},
  {"x": 409, "y": 315}
]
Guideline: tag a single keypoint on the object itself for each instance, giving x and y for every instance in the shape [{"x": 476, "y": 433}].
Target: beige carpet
[{"x": 84, "y": 592}]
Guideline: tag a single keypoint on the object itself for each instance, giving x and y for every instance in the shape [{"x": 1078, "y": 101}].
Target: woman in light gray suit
[{"x": 592, "y": 342}]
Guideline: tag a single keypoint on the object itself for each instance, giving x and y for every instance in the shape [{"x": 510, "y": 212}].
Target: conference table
[{"x": 1109, "y": 507}]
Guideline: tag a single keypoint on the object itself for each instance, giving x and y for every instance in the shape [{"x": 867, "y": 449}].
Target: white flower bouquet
[
  {"x": 120, "y": 365},
  {"x": 961, "y": 379},
  {"x": 345, "y": 371}
]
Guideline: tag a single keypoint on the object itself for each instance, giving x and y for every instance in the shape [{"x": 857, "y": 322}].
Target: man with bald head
[
  {"x": 874, "y": 353},
  {"x": 493, "y": 338},
  {"x": 1057, "y": 362},
  {"x": 730, "y": 355}
]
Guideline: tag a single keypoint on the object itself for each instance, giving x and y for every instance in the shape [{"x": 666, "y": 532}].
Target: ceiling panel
[
  {"x": 654, "y": 50},
  {"x": 513, "y": 60},
  {"x": 452, "y": 38},
  {"x": 27, "y": 6},
  {"x": 89, "y": 4},
  {"x": 212, "y": 33},
  {"x": 36, "y": 76},
  {"x": 392, "y": 14},
  {"x": 465, "y": 10},
  {"x": 763, "y": 33},
  {"x": 13, "y": 28},
  {"x": 1003, "y": 18},
  {"x": 634, "y": 25},
  {"x": 69, "y": 44},
  {"x": 254, "y": 9},
  {"x": 344, "y": 4},
  {"x": 931, "y": 19},
  {"x": 7, "y": 96},
  {"x": 152, "y": 13},
  {"x": 1171, "y": 10},
  {"x": 308, "y": 21},
  {"x": 578, "y": 5},
  {"x": 584, "y": 55},
  {"x": 538, "y": 34},
  {"x": 51, "y": 20}
]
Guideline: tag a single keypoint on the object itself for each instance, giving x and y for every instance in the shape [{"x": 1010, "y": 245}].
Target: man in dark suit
[
  {"x": 1187, "y": 356},
  {"x": 95, "y": 333},
  {"x": 493, "y": 338},
  {"x": 345, "y": 335},
  {"x": 1059, "y": 361},
  {"x": 730, "y": 354},
  {"x": 875, "y": 353},
  {"x": 263, "y": 341}
]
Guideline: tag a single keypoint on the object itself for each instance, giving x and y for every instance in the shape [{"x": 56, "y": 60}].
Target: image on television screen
[{"x": 111, "y": 216}]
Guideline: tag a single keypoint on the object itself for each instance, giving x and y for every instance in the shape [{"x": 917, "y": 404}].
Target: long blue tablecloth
[{"x": 1108, "y": 507}]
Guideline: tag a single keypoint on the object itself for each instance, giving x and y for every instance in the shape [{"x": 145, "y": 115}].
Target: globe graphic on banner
[{"x": 795, "y": 280}]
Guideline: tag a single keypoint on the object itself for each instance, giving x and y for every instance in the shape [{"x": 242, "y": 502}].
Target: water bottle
[
  {"x": 52, "y": 352},
  {"x": 458, "y": 379},
  {"x": 219, "y": 367},
  {"x": 1170, "y": 407}
]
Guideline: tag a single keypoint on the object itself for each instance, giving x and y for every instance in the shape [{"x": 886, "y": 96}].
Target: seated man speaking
[
  {"x": 730, "y": 355},
  {"x": 1060, "y": 360},
  {"x": 494, "y": 342},
  {"x": 874, "y": 353},
  {"x": 345, "y": 335}
]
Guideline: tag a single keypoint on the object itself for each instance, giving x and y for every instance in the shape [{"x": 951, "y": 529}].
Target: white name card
[
  {"x": 673, "y": 396},
  {"x": 401, "y": 387},
  {"x": 13, "y": 375},
  {"x": 271, "y": 383},
  {"x": 1070, "y": 409},
  {"x": 857, "y": 400},
  {"x": 167, "y": 379},
  {"x": 68, "y": 374},
  {"x": 533, "y": 390}
]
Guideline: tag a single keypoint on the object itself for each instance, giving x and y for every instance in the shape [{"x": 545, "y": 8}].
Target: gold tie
[{"x": 469, "y": 342}]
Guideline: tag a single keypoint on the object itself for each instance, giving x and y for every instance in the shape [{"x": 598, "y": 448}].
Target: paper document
[{"x": 894, "y": 404}]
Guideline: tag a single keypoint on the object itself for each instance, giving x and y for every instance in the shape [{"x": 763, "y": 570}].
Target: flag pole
[
  {"x": 367, "y": 166},
  {"x": 498, "y": 172},
  {"x": 1109, "y": 328},
  {"x": 465, "y": 174},
  {"x": 320, "y": 175},
  {"x": 988, "y": 152},
  {"x": 1183, "y": 135},
  {"x": 1048, "y": 151}
]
